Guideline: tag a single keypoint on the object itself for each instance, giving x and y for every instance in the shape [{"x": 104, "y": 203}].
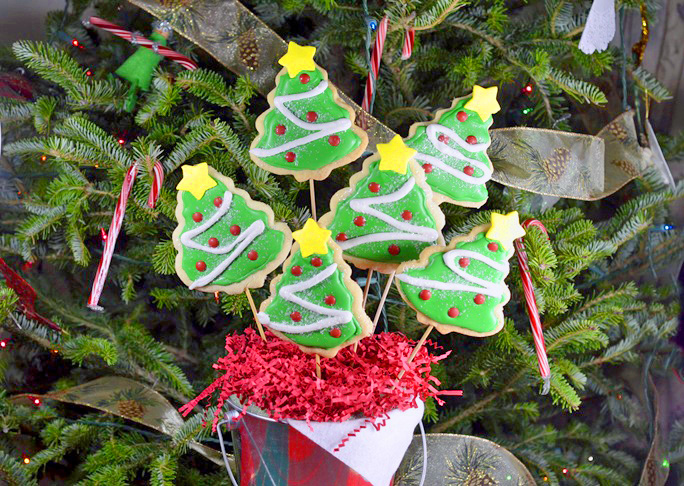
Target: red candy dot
[
  {"x": 425, "y": 294},
  {"x": 462, "y": 116},
  {"x": 359, "y": 221},
  {"x": 311, "y": 116},
  {"x": 218, "y": 201},
  {"x": 304, "y": 78},
  {"x": 213, "y": 242},
  {"x": 252, "y": 255},
  {"x": 493, "y": 247},
  {"x": 335, "y": 333},
  {"x": 407, "y": 215},
  {"x": 280, "y": 130},
  {"x": 296, "y": 271},
  {"x": 464, "y": 262},
  {"x": 394, "y": 250},
  {"x": 443, "y": 138},
  {"x": 296, "y": 316},
  {"x": 471, "y": 139},
  {"x": 374, "y": 187},
  {"x": 201, "y": 266},
  {"x": 330, "y": 300},
  {"x": 334, "y": 140},
  {"x": 427, "y": 168},
  {"x": 316, "y": 262},
  {"x": 453, "y": 312},
  {"x": 341, "y": 237},
  {"x": 479, "y": 299},
  {"x": 235, "y": 230},
  {"x": 467, "y": 170},
  {"x": 290, "y": 156},
  {"x": 197, "y": 217}
]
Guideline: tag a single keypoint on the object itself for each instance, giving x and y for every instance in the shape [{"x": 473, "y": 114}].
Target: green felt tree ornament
[{"x": 139, "y": 68}]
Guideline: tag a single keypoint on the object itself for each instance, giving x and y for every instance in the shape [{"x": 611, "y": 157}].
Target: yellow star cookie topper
[
  {"x": 395, "y": 155},
  {"x": 298, "y": 59},
  {"x": 312, "y": 238},
  {"x": 196, "y": 180},
  {"x": 484, "y": 101},
  {"x": 505, "y": 229}
]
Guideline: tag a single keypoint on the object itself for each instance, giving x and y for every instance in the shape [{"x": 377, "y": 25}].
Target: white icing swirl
[
  {"x": 235, "y": 248},
  {"x": 320, "y": 129},
  {"x": 407, "y": 231}
]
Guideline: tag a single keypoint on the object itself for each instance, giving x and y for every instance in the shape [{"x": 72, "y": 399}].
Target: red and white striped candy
[
  {"x": 157, "y": 181},
  {"x": 112, "y": 235},
  {"x": 186, "y": 62},
  {"x": 531, "y": 304},
  {"x": 371, "y": 81},
  {"x": 407, "y": 48}
]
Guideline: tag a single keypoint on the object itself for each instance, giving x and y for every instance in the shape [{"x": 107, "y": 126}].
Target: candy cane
[
  {"x": 531, "y": 304},
  {"x": 157, "y": 181},
  {"x": 371, "y": 81},
  {"x": 186, "y": 62},
  {"x": 407, "y": 48},
  {"x": 112, "y": 235}
]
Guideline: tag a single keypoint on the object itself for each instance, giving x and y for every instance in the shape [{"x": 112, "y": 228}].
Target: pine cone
[
  {"x": 480, "y": 478},
  {"x": 626, "y": 166},
  {"x": 248, "y": 49},
  {"x": 130, "y": 409},
  {"x": 555, "y": 166},
  {"x": 618, "y": 131}
]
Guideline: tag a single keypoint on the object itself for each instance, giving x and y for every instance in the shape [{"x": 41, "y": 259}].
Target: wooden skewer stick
[
  {"x": 367, "y": 287},
  {"x": 381, "y": 304},
  {"x": 254, "y": 311},
  {"x": 312, "y": 192},
  {"x": 419, "y": 345},
  {"x": 318, "y": 366}
]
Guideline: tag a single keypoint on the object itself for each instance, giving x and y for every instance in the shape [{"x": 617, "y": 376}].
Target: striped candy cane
[
  {"x": 531, "y": 304},
  {"x": 375, "y": 64},
  {"x": 186, "y": 62},
  {"x": 112, "y": 235},
  {"x": 157, "y": 181},
  {"x": 407, "y": 48}
]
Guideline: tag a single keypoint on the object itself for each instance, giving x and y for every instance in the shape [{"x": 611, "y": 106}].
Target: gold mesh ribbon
[
  {"x": 128, "y": 399},
  {"x": 548, "y": 162}
]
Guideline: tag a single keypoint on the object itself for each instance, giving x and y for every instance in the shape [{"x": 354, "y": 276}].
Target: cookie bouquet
[{"x": 317, "y": 396}]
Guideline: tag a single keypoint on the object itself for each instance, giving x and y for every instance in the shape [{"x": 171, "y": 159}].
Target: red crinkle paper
[{"x": 278, "y": 378}]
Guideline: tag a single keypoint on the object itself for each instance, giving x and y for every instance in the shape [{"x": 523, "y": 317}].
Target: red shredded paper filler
[{"x": 277, "y": 377}]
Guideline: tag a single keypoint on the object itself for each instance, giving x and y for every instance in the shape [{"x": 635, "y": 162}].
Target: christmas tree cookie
[
  {"x": 460, "y": 288},
  {"x": 309, "y": 130},
  {"x": 387, "y": 215},
  {"x": 315, "y": 303},
  {"x": 452, "y": 148},
  {"x": 225, "y": 241}
]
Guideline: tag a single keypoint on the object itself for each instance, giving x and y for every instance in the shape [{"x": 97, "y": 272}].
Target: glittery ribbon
[{"x": 548, "y": 162}]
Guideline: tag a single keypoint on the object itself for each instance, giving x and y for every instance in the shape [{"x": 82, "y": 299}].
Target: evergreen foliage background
[{"x": 607, "y": 328}]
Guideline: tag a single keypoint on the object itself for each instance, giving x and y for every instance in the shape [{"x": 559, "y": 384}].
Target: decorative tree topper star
[
  {"x": 505, "y": 229},
  {"x": 312, "y": 238},
  {"x": 298, "y": 59},
  {"x": 196, "y": 180},
  {"x": 484, "y": 101},
  {"x": 395, "y": 155}
]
